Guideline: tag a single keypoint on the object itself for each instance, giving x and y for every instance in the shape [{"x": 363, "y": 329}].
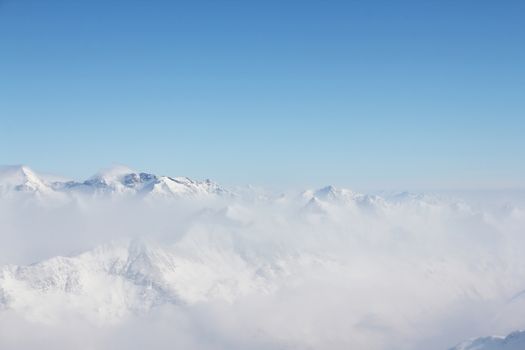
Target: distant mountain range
[
  {"x": 118, "y": 180},
  {"x": 253, "y": 242}
]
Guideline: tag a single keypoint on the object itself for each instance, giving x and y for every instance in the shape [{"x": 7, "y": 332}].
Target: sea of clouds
[{"x": 401, "y": 272}]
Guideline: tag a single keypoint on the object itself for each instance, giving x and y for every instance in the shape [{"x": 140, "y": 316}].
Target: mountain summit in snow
[
  {"x": 513, "y": 341},
  {"x": 20, "y": 178},
  {"x": 117, "y": 180}
]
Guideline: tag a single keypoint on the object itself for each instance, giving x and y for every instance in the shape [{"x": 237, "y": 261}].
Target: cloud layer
[{"x": 325, "y": 269}]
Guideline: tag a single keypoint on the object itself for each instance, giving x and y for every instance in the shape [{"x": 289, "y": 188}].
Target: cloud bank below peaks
[{"x": 128, "y": 260}]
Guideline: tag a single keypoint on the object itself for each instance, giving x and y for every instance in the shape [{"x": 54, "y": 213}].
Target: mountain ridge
[
  {"x": 513, "y": 341},
  {"x": 117, "y": 180}
]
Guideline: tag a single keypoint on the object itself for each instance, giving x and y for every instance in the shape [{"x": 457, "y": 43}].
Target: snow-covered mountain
[
  {"x": 114, "y": 181},
  {"x": 22, "y": 179},
  {"x": 343, "y": 196},
  {"x": 122, "y": 182},
  {"x": 513, "y": 341},
  {"x": 328, "y": 267},
  {"x": 132, "y": 276}
]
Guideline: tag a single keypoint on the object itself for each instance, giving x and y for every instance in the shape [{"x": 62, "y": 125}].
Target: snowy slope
[
  {"x": 131, "y": 276},
  {"x": 19, "y": 178},
  {"x": 116, "y": 181},
  {"x": 123, "y": 182},
  {"x": 513, "y": 341}
]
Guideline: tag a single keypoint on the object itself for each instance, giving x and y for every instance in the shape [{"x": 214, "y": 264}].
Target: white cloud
[{"x": 362, "y": 272}]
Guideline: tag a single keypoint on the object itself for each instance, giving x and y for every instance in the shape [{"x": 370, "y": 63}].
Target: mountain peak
[
  {"x": 113, "y": 172},
  {"x": 117, "y": 179},
  {"x": 21, "y": 178},
  {"x": 333, "y": 193},
  {"x": 16, "y": 169},
  {"x": 327, "y": 190},
  {"x": 513, "y": 341}
]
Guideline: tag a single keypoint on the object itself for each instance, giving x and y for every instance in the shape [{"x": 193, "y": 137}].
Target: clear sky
[{"x": 363, "y": 94}]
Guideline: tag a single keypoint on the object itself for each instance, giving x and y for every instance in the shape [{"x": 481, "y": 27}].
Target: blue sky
[{"x": 363, "y": 94}]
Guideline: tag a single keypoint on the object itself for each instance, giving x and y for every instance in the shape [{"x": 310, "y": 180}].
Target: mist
[{"x": 290, "y": 272}]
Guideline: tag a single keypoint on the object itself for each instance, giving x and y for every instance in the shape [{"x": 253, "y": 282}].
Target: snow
[
  {"x": 513, "y": 341},
  {"x": 135, "y": 276},
  {"x": 324, "y": 268},
  {"x": 21, "y": 178},
  {"x": 118, "y": 180}
]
